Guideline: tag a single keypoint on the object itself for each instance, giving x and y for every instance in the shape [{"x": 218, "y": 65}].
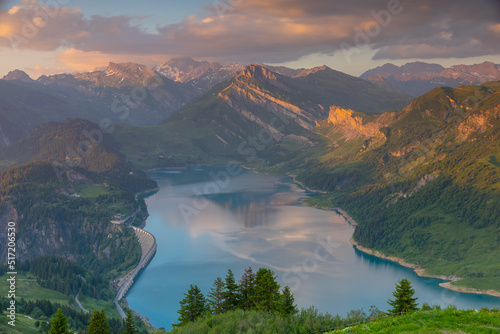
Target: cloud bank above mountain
[{"x": 250, "y": 31}]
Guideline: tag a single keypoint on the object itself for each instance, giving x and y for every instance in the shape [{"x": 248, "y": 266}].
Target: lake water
[{"x": 207, "y": 220}]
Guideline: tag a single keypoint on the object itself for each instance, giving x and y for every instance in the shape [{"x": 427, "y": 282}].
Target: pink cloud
[
  {"x": 83, "y": 61},
  {"x": 263, "y": 31}
]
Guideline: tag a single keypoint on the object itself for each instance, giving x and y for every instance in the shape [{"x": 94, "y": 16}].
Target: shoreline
[
  {"x": 136, "y": 195},
  {"x": 421, "y": 272},
  {"x": 144, "y": 319},
  {"x": 463, "y": 289},
  {"x": 163, "y": 168},
  {"x": 346, "y": 216},
  {"x": 155, "y": 189},
  {"x": 294, "y": 177},
  {"x": 134, "y": 271},
  {"x": 416, "y": 268}
]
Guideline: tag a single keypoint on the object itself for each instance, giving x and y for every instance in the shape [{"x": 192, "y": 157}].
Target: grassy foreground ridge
[
  {"x": 310, "y": 321},
  {"x": 436, "y": 321}
]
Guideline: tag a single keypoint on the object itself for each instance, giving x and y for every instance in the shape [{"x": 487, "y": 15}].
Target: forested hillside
[
  {"x": 53, "y": 219},
  {"x": 71, "y": 143},
  {"x": 423, "y": 182}
]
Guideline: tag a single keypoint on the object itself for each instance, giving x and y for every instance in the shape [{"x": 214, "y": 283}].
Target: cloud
[
  {"x": 448, "y": 29},
  {"x": 39, "y": 27},
  {"x": 495, "y": 28},
  {"x": 82, "y": 61},
  {"x": 265, "y": 31},
  {"x": 39, "y": 70},
  {"x": 35, "y": 26},
  {"x": 426, "y": 51},
  {"x": 286, "y": 30}
]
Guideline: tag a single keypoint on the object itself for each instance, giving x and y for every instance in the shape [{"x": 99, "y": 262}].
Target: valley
[
  {"x": 249, "y": 166},
  {"x": 419, "y": 175}
]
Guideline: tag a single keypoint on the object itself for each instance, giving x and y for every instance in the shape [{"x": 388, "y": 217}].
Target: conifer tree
[
  {"x": 193, "y": 306},
  {"x": 59, "y": 323},
  {"x": 403, "y": 298},
  {"x": 247, "y": 289},
  {"x": 98, "y": 323},
  {"x": 231, "y": 297},
  {"x": 266, "y": 291},
  {"x": 130, "y": 327},
  {"x": 216, "y": 297},
  {"x": 287, "y": 305}
]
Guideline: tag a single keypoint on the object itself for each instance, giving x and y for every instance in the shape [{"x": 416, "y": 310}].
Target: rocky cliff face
[
  {"x": 259, "y": 94},
  {"x": 434, "y": 127},
  {"x": 478, "y": 123},
  {"x": 352, "y": 126}
]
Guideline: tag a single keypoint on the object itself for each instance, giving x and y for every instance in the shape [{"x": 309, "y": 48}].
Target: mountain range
[
  {"x": 255, "y": 103},
  {"x": 417, "y": 78},
  {"x": 136, "y": 94},
  {"x": 124, "y": 93},
  {"x": 121, "y": 93}
]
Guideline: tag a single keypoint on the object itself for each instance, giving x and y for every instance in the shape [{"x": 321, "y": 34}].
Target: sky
[{"x": 55, "y": 36}]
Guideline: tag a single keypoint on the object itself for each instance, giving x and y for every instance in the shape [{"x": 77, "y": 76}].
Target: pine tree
[
  {"x": 231, "y": 297},
  {"x": 247, "y": 289},
  {"x": 287, "y": 305},
  {"x": 98, "y": 323},
  {"x": 404, "y": 301},
  {"x": 266, "y": 291},
  {"x": 130, "y": 327},
  {"x": 193, "y": 306},
  {"x": 59, "y": 323},
  {"x": 216, "y": 296}
]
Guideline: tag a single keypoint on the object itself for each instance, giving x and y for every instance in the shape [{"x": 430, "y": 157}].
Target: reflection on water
[
  {"x": 252, "y": 209},
  {"x": 204, "y": 228}
]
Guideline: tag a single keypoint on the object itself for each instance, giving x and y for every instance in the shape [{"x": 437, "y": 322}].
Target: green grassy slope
[
  {"x": 436, "y": 321},
  {"x": 309, "y": 321},
  {"x": 23, "y": 325},
  {"x": 28, "y": 288}
]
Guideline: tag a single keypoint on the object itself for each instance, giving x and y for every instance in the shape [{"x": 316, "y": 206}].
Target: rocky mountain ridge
[{"x": 418, "y": 78}]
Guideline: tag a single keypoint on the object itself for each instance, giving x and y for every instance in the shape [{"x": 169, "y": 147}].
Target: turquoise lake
[{"x": 207, "y": 220}]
